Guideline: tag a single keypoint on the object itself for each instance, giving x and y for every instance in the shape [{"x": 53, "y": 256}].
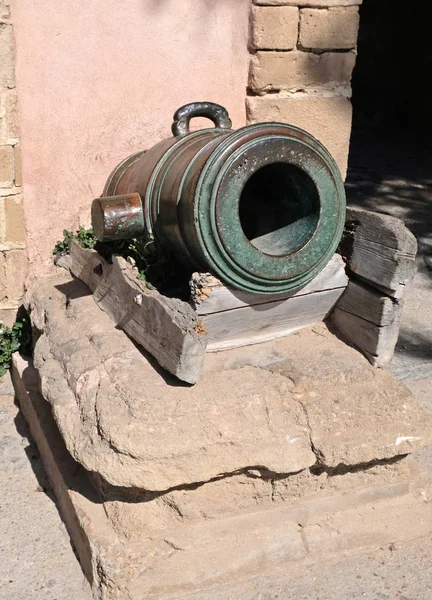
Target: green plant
[
  {"x": 11, "y": 340},
  {"x": 154, "y": 265},
  {"x": 83, "y": 236},
  {"x": 63, "y": 247}
]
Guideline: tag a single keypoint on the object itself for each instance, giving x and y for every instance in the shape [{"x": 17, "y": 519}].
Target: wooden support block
[
  {"x": 380, "y": 250},
  {"x": 210, "y": 295},
  {"x": 168, "y": 328},
  {"x": 233, "y": 318},
  {"x": 369, "y": 320},
  {"x": 269, "y": 321}
]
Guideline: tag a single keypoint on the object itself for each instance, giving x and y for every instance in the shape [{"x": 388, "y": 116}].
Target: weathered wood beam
[
  {"x": 368, "y": 320},
  {"x": 168, "y": 328},
  {"x": 233, "y": 318},
  {"x": 380, "y": 250},
  {"x": 210, "y": 295},
  {"x": 269, "y": 321}
]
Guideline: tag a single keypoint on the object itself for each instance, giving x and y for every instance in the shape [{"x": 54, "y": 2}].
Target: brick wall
[
  {"x": 13, "y": 256},
  {"x": 302, "y": 56}
]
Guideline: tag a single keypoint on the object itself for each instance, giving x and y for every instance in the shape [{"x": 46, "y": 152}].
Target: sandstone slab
[
  {"x": 276, "y": 408},
  {"x": 212, "y": 557},
  {"x": 131, "y": 422}
]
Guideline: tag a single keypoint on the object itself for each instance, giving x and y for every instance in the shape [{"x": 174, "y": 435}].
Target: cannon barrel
[{"x": 261, "y": 207}]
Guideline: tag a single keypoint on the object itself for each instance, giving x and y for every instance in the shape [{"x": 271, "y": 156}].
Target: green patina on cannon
[{"x": 262, "y": 207}]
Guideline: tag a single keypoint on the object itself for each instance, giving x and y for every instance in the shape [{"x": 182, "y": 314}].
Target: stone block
[
  {"x": 312, "y": 3},
  {"x": 6, "y": 166},
  {"x": 7, "y": 70},
  {"x": 298, "y": 70},
  {"x": 18, "y": 165},
  {"x": 328, "y": 119},
  {"x": 14, "y": 218},
  {"x": 335, "y": 28},
  {"x": 275, "y": 27},
  {"x": 221, "y": 425},
  {"x": 123, "y": 418},
  {"x": 225, "y": 556},
  {"x": 8, "y": 117},
  {"x": 16, "y": 273},
  {"x": 335, "y": 420}
]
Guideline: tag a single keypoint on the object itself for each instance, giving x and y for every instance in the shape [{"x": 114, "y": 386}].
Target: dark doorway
[{"x": 390, "y": 163}]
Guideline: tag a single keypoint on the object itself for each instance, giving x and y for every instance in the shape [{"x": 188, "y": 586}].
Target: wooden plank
[
  {"x": 211, "y": 296},
  {"x": 369, "y": 304},
  {"x": 168, "y": 328},
  {"x": 380, "y": 250},
  {"x": 375, "y": 342},
  {"x": 268, "y": 321}
]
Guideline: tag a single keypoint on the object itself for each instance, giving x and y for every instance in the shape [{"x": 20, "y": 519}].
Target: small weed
[
  {"x": 83, "y": 236},
  {"x": 12, "y": 340},
  {"x": 153, "y": 264},
  {"x": 63, "y": 247}
]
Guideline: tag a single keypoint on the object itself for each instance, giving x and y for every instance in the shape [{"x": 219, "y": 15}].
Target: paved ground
[{"x": 36, "y": 558}]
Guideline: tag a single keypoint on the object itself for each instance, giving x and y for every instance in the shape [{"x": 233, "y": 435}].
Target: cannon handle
[{"x": 215, "y": 112}]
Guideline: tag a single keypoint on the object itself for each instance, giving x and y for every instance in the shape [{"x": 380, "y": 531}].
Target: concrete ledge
[{"x": 206, "y": 554}]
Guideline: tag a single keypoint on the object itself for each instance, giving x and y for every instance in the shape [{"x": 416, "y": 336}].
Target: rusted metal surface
[
  {"x": 115, "y": 217},
  {"x": 263, "y": 207},
  {"x": 215, "y": 112}
]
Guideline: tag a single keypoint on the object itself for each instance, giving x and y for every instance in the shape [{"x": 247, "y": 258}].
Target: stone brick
[
  {"x": 335, "y": 28},
  {"x": 14, "y": 217},
  {"x": 8, "y": 116},
  {"x": 296, "y": 70},
  {"x": 16, "y": 273},
  {"x": 312, "y": 3},
  {"x": 275, "y": 27},
  {"x": 7, "y": 71},
  {"x": 328, "y": 119},
  {"x": 6, "y": 166},
  {"x": 17, "y": 165}
]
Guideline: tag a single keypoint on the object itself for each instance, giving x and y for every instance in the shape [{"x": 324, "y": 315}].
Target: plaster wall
[{"x": 100, "y": 79}]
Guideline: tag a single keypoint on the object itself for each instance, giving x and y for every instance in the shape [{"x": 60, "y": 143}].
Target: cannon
[{"x": 262, "y": 207}]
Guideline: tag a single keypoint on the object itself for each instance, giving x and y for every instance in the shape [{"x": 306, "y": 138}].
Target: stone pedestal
[{"x": 281, "y": 453}]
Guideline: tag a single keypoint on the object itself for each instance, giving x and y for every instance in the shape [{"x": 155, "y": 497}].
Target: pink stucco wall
[{"x": 100, "y": 79}]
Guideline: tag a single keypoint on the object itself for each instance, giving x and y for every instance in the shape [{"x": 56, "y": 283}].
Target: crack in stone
[
  {"x": 319, "y": 455},
  {"x": 173, "y": 546},
  {"x": 304, "y": 538},
  {"x": 343, "y": 469},
  {"x": 135, "y": 495}
]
